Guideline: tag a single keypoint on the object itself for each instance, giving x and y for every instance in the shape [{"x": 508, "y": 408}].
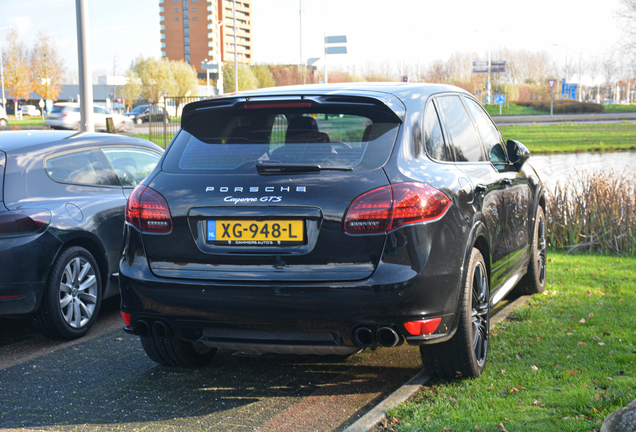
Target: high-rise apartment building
[{"x": 196, "y": 30}]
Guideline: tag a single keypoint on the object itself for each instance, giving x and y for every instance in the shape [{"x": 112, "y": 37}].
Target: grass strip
[
  {"x": 572, "y": 138},
  {"x": 564, "y": 361},
  {"x": 513, "y": 109}
]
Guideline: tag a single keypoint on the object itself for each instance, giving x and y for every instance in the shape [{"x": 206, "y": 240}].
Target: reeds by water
[{"x": 593, "y": 211}]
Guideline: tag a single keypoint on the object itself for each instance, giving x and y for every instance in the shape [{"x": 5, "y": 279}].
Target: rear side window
[
  {"x": 132, "y": 166},
  {"x": 433, "y": 137},
  {"x": 231, "y": 140},
  {"x": 462, "y": 133},
  {"x": 87, "y": 167}
]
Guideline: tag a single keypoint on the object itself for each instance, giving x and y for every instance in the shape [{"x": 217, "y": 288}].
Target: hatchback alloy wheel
[
  {"x": 78, "y": 292},
  {"x": 72, "y": 299}
]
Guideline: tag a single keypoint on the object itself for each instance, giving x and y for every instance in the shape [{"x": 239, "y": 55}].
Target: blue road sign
[{"x": 500, "y": 99}]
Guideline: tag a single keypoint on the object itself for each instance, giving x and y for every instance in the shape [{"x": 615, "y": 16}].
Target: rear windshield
[{"x": 231, "y": 140}]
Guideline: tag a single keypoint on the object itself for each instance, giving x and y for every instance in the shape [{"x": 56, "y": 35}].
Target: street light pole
[
  {"x": 566, "y": 67},
  {"x": 207, "y": 75},
  {"x": 83, "y": 51},
  {"x": 235, "y": 47},
  {"x": 4, "y": 104},
  {"x": 2, "y": 76}
]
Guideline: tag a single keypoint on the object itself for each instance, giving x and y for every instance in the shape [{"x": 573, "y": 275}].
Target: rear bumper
[{"x": 203, "y": 311}]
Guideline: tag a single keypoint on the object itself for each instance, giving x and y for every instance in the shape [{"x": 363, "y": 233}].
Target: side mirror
[{"x": 517, "y": 153}]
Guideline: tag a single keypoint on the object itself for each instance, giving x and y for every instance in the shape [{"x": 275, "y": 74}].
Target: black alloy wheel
[
  {"x": 534, "y": 280},
  {"x": 480, "y": 313},
  {"x": 465, "y": 354}
]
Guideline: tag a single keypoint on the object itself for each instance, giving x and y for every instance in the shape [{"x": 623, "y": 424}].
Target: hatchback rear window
[{"x": 230, "y": 140}]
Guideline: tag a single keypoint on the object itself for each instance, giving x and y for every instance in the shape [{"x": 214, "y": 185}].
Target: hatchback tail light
[
  {"x": 24, "y": 222},
  {"x": 386, "y": 208},
  {"x": 148, "y": 210}
]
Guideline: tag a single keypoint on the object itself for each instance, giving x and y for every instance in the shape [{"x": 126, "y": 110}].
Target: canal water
[{"x": 558, "y": 167}]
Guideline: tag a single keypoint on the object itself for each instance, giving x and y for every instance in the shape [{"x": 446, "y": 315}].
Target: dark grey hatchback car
[
  {"x": 62, "y": 201},
  {"x": 326, "y": 219}
]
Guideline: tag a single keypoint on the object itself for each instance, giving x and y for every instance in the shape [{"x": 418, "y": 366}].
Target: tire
[
  {"x": 175, "y": 352},
  {"x": 534, "y": 280},
  {"x": 139, "y": 121},
  {"x": 465, "y": 354},
  {"x": 3, "y": 123},
  {"x": 72, "y": 298}
]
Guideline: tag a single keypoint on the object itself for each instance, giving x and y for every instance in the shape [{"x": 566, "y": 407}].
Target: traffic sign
[
  {"x": 551, "y": 82},
  {"x": 500, "y": 99},
  {"x": 210, "y": 66}
]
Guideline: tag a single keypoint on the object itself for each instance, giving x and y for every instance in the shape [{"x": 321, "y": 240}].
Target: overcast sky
[{"x": 377, "y": 30}]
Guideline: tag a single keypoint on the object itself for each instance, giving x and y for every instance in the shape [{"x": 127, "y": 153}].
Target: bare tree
[
  {"x": 608, "y": 70},
  {"x": 17, "y": 72},
  {"x": 46, "y": 68},
  {"x": 593, "y": 69},
  {"x": 627, "y": 18}
]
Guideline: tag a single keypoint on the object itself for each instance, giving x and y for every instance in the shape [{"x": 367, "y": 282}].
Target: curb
[{"x": 378, "y": 413}]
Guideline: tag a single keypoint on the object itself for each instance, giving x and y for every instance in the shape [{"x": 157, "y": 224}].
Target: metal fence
[{"x": 164, "y": 119}]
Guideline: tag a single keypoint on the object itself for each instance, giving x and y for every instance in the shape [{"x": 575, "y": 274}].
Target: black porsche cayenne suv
[{"x": 325, "y": 219}]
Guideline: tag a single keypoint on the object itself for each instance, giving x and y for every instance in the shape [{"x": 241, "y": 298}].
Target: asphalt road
[{"x": 105, "y": 382}]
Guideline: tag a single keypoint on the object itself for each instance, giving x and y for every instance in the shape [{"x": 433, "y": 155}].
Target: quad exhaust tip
[
  {"x": 158, "y": 329},
  {"x": 363, "y": 336},
  {"x": 142, "y": 328},
  {"x": 385, "y": 336}
]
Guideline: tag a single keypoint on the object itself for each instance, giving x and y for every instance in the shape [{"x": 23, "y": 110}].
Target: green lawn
[
  {"x": 569, "y": 137},
  {"x": 512, "y": 109},
  {"x": 620, "y": 108},
  {"x": 564, "y": 361},
  {"x": 26, "y": 121}
]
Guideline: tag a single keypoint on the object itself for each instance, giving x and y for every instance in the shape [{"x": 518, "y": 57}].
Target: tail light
[
  {"x": 24, "y": 222},
  {"x": 148, "y": 210},
  {"x": 384, "y": 209}
]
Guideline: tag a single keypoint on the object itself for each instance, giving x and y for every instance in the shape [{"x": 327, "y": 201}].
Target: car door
[
  {"x": 487, "y": 191},
  {"x": 517, "y": 191},
  {"x": 92, "y": 195}
]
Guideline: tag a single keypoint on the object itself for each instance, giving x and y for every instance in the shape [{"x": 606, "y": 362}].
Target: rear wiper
[{"x": 277, "y": 167}]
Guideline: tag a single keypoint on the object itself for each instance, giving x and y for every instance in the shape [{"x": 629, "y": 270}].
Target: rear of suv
[{"x": 327, "y": 219}]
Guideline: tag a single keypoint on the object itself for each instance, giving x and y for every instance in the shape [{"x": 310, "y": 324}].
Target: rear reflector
[
  {"x": 24, "y": 222},
  {"x": 384, "y": 209},
  {"x": 11, "y": 297},
  {"x": 127, "y": 318},
  {"x": 148, "y": 210},
  {"x": 423, "y": 327}
]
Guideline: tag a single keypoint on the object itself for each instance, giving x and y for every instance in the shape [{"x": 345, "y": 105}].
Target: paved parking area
[{"x": 106, "y": 382}]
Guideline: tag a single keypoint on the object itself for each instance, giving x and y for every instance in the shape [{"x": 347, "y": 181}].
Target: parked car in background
[
  {"x": 329, "y": 218},
  {"x": 62, "y": 201},
  {"x": 4, "y": 120},
  {"x": 66, "y": 115},
  {"x": 142, "y": 113},
  {"x": 30, "y": 110}
]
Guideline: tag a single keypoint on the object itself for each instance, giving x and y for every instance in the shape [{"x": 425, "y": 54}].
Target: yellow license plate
[{"x": 255, "y": 232}]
